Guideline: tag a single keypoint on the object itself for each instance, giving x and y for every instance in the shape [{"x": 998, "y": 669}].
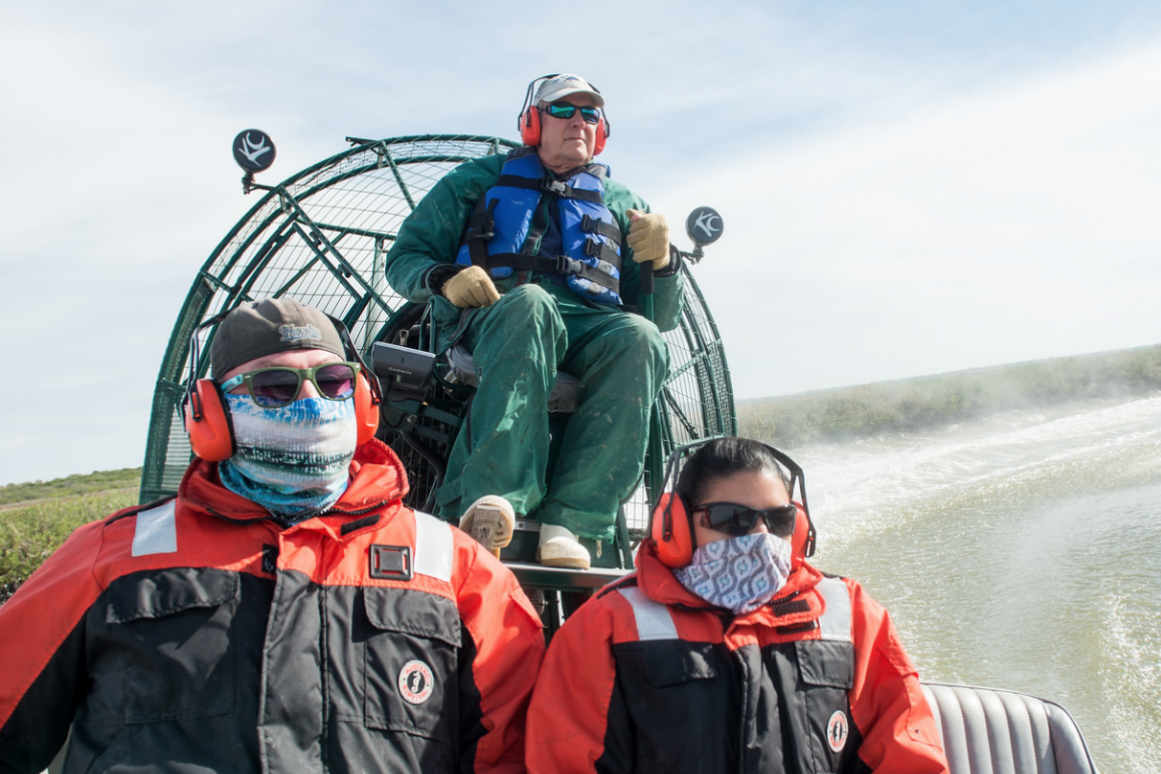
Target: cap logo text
[{"x": 299, "y": 332}]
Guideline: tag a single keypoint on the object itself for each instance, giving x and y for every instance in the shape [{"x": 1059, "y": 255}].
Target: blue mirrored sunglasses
[{"x": 591, "y": 115}]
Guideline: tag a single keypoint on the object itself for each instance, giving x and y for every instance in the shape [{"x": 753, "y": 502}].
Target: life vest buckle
[
  {"x": 566, "y": 265},
  {"x": 557, "y": 187}
]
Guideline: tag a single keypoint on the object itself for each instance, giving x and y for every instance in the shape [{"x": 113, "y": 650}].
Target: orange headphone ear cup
[
  {"x": 366, "y": 410},
  {"x": 529, "y": 123},
  {"x": 800, "y": 538},
  {"x": 677, "y": 549},
  {"x": 602, "y": 136},
  {"x": 212, "y": 436}
]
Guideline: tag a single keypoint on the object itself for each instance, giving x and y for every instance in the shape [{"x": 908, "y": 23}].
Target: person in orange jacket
[
  {"x": 727, "y": 651},
  {"x": 285, "y": 612}
]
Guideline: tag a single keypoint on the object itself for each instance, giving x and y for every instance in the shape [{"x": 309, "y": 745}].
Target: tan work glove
[
  {"x": 471, "y": 287},
  {"x": 649, "y": 238}
]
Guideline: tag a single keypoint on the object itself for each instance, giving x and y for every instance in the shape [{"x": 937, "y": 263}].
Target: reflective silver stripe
[
  {"x": 433, "y": 547},
  {"x": 835, "y": 622},
  {"x": 653, "y": 619},
  {"x": 156, "y": 531}
]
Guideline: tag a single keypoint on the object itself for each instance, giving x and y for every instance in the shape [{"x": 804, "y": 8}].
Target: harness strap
[
  {"x": 603, "y": 252},
  {"x": 591, "y": 225},
  {"x": 555, "y": 187},
  {"x": 481, "y": 228},
  {"x": 561, "y": 264}
]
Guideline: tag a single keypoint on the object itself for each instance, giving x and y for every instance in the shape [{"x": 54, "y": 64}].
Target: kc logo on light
[
  {"x": 253, "y": 150},
  {"x": 709, "y": 223},
  {"x": 704, "y": 225}
]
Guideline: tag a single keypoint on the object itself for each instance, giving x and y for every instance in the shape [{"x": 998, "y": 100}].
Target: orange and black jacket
[
  {"x": 197, "y": 632},
  {"x": 646, "y": 677}
]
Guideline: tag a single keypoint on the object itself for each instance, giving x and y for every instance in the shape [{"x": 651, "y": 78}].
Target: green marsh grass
[{"x": 30, "y": 533}]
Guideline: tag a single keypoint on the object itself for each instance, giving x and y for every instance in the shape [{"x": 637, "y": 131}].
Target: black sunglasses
[
  {"x": 735, "y": 520},
  {"x": 591, "y": 115}
]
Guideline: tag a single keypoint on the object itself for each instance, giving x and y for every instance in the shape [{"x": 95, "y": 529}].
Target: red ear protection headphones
[
  {"x": 671, "y": 523},
  {"x": 207, "y": 420},
  {"x": 528, "y": 122}
]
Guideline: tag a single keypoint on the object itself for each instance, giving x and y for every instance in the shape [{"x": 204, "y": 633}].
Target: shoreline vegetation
[
  {"x": 36, "y": 517},
  {"x": 931, "y": 401}
]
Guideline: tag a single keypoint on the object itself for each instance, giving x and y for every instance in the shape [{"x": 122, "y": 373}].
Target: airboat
[{"x": 321, "y": 235}]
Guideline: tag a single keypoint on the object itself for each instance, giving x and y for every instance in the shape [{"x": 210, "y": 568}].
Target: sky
[{"x": 907, "y": 187}]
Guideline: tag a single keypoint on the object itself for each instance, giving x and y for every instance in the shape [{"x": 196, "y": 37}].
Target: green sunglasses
[
  {"x": 591, "y": 115},
  {"x": 279, "y": 386}
]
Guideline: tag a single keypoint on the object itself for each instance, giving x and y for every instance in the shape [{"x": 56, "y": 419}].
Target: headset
[
  {"x": 671, "y": 522},
  {"x": 207, "y": 420},
  {"x": 528, "y": 122}
]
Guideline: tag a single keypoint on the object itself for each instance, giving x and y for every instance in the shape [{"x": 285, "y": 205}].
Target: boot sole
[
  {"x": 567, "y": 562},
  {"x": 491, "y": 528}
]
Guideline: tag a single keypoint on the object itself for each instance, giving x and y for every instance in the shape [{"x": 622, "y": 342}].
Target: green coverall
[{"x": 518, "y": 343}]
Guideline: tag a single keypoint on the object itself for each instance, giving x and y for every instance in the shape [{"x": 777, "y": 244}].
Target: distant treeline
[
  {"x": 929, "y": 401},
  {"x": 77, "y": 484}
]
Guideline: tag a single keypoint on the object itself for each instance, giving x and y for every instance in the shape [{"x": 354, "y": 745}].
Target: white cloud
[{"x": 1012, "y": 224}]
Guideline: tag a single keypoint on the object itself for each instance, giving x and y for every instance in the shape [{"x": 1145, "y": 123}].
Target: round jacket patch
[
  {"x": 837, "y": 731},
  {"x": 416, "y": 682}
]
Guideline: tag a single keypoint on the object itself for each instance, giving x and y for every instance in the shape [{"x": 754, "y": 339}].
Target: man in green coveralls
[{"x": 564, "y": 249}]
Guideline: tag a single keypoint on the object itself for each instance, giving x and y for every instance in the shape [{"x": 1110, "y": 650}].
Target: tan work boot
[
  {"x": 490, "y": 520},
  {"x": 560, "y": 548}
]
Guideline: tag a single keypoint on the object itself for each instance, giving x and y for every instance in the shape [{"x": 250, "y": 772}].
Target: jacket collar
[
  {"x": 796, "y": 603},
  {"x": 377, "y": 479}
]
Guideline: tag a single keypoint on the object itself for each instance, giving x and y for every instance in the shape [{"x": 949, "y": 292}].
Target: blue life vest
[{"x": 503, "y": 234}]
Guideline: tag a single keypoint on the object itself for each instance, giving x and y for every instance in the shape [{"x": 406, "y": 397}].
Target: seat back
[{"x": 987, "y": 731}]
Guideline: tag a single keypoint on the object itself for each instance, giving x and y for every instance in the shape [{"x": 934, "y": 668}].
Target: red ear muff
[
  {"x": 671, "y": 531},
  {"x": 602, "y": 137},
  {"x": 366, "y": 410},
  {"x": 529, "y": 125},
  {"x": 208, "y": 423},
  {"x": 802, "y": 541}
]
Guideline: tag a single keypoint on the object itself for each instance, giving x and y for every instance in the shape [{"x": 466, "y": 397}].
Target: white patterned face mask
[
  {"x": 291, "y": 460},
  {"x": 740, "y": 574}
]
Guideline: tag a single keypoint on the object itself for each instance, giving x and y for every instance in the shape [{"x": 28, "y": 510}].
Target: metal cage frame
[{"x": 320, "y": 237}]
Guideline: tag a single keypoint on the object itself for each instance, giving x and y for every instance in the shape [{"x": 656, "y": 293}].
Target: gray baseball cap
[
  {"x": 560, "y": 86},
  {"x": 268, "y": 326}
]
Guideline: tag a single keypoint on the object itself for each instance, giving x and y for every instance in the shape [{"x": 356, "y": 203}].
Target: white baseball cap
[{"x": 560, "y": 86}]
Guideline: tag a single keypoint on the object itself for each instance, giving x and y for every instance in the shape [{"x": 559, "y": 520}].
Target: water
[{"x": 1020, "y": 552}]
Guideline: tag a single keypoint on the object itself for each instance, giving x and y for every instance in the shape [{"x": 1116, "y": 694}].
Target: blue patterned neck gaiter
[
  {"x": 291, "y": 460},
  {"x": 740, "y": 574}
]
